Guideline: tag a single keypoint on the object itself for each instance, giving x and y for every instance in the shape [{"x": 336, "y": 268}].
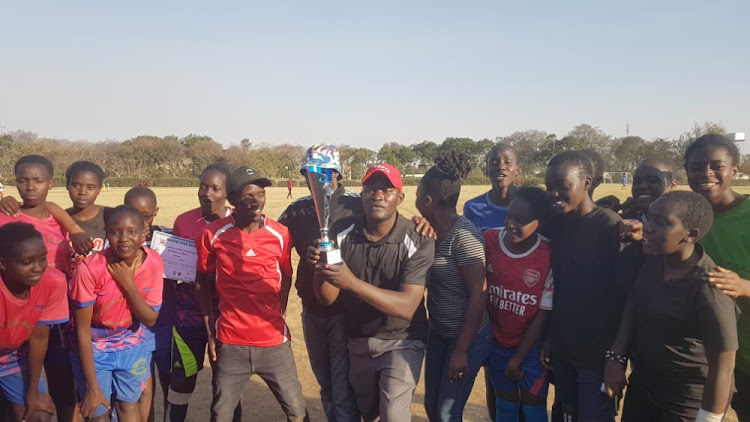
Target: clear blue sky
[{"x": 368, "y": 72}]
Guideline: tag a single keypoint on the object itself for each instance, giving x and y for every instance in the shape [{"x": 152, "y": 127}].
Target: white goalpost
[{"x": 617, "y": 176}]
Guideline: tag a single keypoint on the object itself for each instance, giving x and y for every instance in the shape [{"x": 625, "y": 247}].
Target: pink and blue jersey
[
  {"x": 112, "y": 325},
  {"x": 59, "y": 254},
  {"x": 46, "y": 304}
]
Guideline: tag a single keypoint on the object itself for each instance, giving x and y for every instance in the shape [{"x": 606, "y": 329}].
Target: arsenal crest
[{"x": 531, "y": 277}]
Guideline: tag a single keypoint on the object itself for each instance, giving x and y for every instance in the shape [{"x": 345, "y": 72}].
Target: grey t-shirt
[{"x": 447, "y": 295}]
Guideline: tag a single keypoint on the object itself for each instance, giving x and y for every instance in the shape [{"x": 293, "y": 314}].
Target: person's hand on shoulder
[
  {"x": 9, "y": 206},
  {"x": 631, "y": 230},
  {"x": 423, "y": 227},
  {"x": 82, "y": 243},
  {"x": 729, "y": 282}
]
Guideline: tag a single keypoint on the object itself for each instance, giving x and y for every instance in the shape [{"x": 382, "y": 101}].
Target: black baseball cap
[{"x": 244, "y": 176}]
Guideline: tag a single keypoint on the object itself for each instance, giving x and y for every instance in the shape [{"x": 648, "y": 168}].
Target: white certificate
[{"x": 178, "y": 254}]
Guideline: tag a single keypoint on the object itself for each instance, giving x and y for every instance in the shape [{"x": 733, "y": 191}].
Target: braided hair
[{"x": 443, "y": 181}]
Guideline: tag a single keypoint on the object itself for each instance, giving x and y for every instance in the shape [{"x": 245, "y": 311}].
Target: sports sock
[
  {"x": 535, "y": 413},
  {"x": 507, "y": 411}
]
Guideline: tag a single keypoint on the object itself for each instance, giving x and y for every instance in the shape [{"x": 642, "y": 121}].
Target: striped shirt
[{"x": 447, "y": 295}]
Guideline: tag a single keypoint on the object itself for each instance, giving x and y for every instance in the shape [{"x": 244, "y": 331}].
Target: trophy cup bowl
[{"x": 320, "y": 181}]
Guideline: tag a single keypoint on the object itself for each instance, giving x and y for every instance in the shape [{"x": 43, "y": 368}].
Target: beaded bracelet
[{"x": 610, "y": 355}]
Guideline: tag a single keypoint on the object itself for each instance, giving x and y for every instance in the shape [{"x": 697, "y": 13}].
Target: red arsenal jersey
[
  {"x": 518, "y": 284},
  {"x": 249, "y": 268}
]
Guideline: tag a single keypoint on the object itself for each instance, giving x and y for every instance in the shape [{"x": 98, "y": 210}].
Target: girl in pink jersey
[
  {"x": 34, "y": 178},
  {"x": 115, "y": 292},
  {"x": 32, "y": 297}
]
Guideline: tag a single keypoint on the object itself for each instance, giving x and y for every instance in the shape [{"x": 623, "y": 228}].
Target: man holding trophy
[{"x": 381, "y": 283}]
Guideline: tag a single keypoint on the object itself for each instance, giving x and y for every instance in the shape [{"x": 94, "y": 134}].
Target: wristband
[
  {"x": 706, "y": 416},
  {"x": 610, "y": 355}
]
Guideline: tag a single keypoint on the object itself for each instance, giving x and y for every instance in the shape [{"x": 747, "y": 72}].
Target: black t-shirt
[
  {"x": 302, "y": 221},
  {"x": 401, "y": 257},
  {"x": 676, "y": 321},
  {"x": 588, "y": 300},
  {"x": 94, "y": 227}
]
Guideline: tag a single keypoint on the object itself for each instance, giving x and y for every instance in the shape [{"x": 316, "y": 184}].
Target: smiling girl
[
  {"x": 711, "y": 163},
  {"x": 588, "y": 301},
  {"x": 32, "y": 298},
  {"x": 113, "y": 293},
  {"x": 519, "y": 277}
]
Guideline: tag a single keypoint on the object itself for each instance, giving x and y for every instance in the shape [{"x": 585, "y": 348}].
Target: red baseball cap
[{"x": 393, "y": 175}]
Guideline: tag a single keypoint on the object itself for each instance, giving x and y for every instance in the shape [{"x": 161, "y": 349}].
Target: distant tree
[
  {"x": 397, "y": 155},
  {"x": 585, "y": 136},
  {"x": 8, "y": 156},
  {"x": 477, "y": 151},
  {"x": 23, "y": 136},
  {"x": 528, "y": 145},
  {"x": 193, "y": 139},
  {"x": 629, "y": 152},
  {"x": 153, "y": 156},
  {"x": 201, "y": 152},
  {"x": 425, "y": 153},
  {"x": 355, "y": 161}
]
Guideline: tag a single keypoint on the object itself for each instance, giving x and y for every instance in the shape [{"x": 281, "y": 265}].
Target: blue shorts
[
  {"x": 535, "y": 378},
  {"x": 123, "y": 373},
  {"x": 14, "y": 386},
  {"x": 582, "y": 389}
]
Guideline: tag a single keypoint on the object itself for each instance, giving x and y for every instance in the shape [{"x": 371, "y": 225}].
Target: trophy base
[{"x": 330, "y": 257}]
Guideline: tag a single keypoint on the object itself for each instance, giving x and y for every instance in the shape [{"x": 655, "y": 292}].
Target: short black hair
[
  {"x": 539, "y": 201},
  {"x": 220, "y": 168},
  {"x": 597, "y": 163},
  {"x": 656, "y": 162},
  {"x": 122, "y": 210},
  {"x": 139, "y": 192},
  {"x": 34, "y": 159},
  {"x": 82, "y": 166},
  {"x": 13, "y": 234},
  {"x": 574, "y": 158},
  {"x": 714, "y": 140},
  {"x": 693, "y": 210},
  {"x": 500, "y": 145},
  {"x": 443, "y": 180}
]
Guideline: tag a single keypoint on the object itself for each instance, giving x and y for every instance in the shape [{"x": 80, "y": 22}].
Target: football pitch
[{"x": 259, "y": 403}]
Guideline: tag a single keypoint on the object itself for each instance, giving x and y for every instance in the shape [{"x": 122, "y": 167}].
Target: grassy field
[{"x": 262, "y": 405}]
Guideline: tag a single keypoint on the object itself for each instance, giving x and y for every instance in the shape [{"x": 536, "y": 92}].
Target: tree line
[{"x": 153, "y": 157}]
